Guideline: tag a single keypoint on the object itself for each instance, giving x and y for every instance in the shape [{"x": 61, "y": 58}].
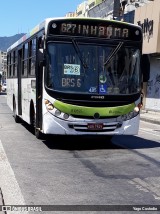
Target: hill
[{"x": 6, "y": 42}]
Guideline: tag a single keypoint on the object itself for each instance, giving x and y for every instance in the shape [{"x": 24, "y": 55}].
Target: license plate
[{"x": 95, "y": 126}]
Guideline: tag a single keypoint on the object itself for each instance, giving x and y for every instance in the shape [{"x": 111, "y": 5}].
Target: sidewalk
[{"x": 150, "y": 116}]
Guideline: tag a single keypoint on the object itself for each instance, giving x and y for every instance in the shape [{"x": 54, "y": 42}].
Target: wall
[
  {"x": 148, "y": 16},
  {"x": 153, "y": 86}
]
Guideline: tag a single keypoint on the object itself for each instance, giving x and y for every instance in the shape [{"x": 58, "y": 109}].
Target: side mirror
[
  {"x": 40, "y": 54},
  {"x": 42, "y": 63},
  {"x": 41, "y": 42}
]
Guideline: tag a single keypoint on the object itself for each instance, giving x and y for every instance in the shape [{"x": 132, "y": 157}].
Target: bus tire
[
  {"x": 38, "y": 133},
  {"x": 16, "y": 117},
  {"x": 32, "y": 116},
  {"x": 33, "y": 121}
]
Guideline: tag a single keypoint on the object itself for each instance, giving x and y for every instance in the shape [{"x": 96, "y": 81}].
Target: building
[
  {"x": 85, "y": 7},
  {"x": 94, "y": 3},
  {"x": 104, "y": 10},
  {"x": 145, "y": 13},
  {"x": 128, "y": 8},
  {"x": 3, "y": 66},
  {"x": 71, "y": 14},
  {"x": 82, "y": 9},
  {"x": 148, "y": 17}
]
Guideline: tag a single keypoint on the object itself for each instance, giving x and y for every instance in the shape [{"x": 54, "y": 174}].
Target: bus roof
[{"x": 43, "y": 24}]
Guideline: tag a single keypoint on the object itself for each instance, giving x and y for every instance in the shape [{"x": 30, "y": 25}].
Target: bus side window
[
  {"x": 32, "y": 57},
  {"x": 9, "y": 65},
  {"x": 15, "y": 63},
  {"x": 25, "y": 60}
]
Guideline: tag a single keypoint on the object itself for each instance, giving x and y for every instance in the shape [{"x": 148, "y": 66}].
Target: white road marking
[
  {"x": 147, "y": 186},
  {"x": 10, "y": 189}
]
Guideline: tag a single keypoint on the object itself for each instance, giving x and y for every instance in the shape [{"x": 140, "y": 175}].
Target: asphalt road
[{"x": 61, "y": 171}]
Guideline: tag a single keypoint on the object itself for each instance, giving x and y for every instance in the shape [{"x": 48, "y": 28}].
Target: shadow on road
[
  {"x": 99, "y": 142},
  {"x": 134, "y": 142},
  {"x": 67, "y": 142},
  {"x": 79, "y": 142},
  {"x": 95, "y": 142}
]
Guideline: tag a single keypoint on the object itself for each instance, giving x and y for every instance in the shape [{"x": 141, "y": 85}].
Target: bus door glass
[{"x": 19, "y": 82}]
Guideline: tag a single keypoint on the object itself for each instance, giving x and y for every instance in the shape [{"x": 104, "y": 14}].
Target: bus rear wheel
[{"x": 16, "y": 117}]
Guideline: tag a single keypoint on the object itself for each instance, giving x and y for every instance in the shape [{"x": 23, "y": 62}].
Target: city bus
[{"x": 77, "y": 76}]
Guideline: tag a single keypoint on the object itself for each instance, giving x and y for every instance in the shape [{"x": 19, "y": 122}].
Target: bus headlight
[
  {"x": 136, "y": 109},
  {"x": 66, "y": 116},
  {"x": 56, "y": 112},
  {"x": 128, "y": 116},
  {"x": 49, "y": 105}
]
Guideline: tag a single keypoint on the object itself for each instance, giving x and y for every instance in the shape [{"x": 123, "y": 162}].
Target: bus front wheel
[
  {"x": 36, "y": 130},
  {"x": 38, "y": 133}
]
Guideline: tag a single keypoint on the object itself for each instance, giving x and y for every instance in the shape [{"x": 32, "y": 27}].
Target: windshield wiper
[
  {"x": 76, "y": 47},
  {"x": 113, "y": 53}
]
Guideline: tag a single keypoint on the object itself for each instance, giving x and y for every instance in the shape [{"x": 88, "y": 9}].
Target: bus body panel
[
  {"x": 28, "y": 94},
  {"x": 12, "y": 91}
]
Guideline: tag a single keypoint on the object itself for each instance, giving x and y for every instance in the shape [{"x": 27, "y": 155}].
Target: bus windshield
[{"x": 93, "y": 68}]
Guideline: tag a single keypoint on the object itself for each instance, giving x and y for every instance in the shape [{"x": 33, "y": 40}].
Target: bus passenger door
[
  {"x": 39, "y": 91},
  {"x": 19, "y": 82}
]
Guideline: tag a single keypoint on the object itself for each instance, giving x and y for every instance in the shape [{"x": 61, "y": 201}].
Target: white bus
[{"x": 77, "y": 76}]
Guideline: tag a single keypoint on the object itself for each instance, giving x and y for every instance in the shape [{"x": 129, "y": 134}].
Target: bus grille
[
  {"x": 107, "y": 127},
  {"x": 92, "y": 117}
]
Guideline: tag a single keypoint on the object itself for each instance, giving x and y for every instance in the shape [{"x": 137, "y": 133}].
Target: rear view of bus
[{"x": 87, "y": 78}]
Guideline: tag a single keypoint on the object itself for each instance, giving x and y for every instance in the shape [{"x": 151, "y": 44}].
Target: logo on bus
[{"x": 97, "y": 97}]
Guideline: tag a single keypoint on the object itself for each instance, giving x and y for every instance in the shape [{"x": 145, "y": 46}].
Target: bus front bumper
[{"x": 54, "y": 125}]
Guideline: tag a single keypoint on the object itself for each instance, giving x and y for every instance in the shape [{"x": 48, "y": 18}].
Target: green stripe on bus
[{"x": 90, "y": 111}]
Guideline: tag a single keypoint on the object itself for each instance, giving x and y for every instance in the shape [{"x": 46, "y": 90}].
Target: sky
[{"x": 19, "y": 16}]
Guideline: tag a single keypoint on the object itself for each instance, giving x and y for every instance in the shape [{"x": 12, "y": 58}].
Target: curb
[{"x": 150, "y": 120}]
